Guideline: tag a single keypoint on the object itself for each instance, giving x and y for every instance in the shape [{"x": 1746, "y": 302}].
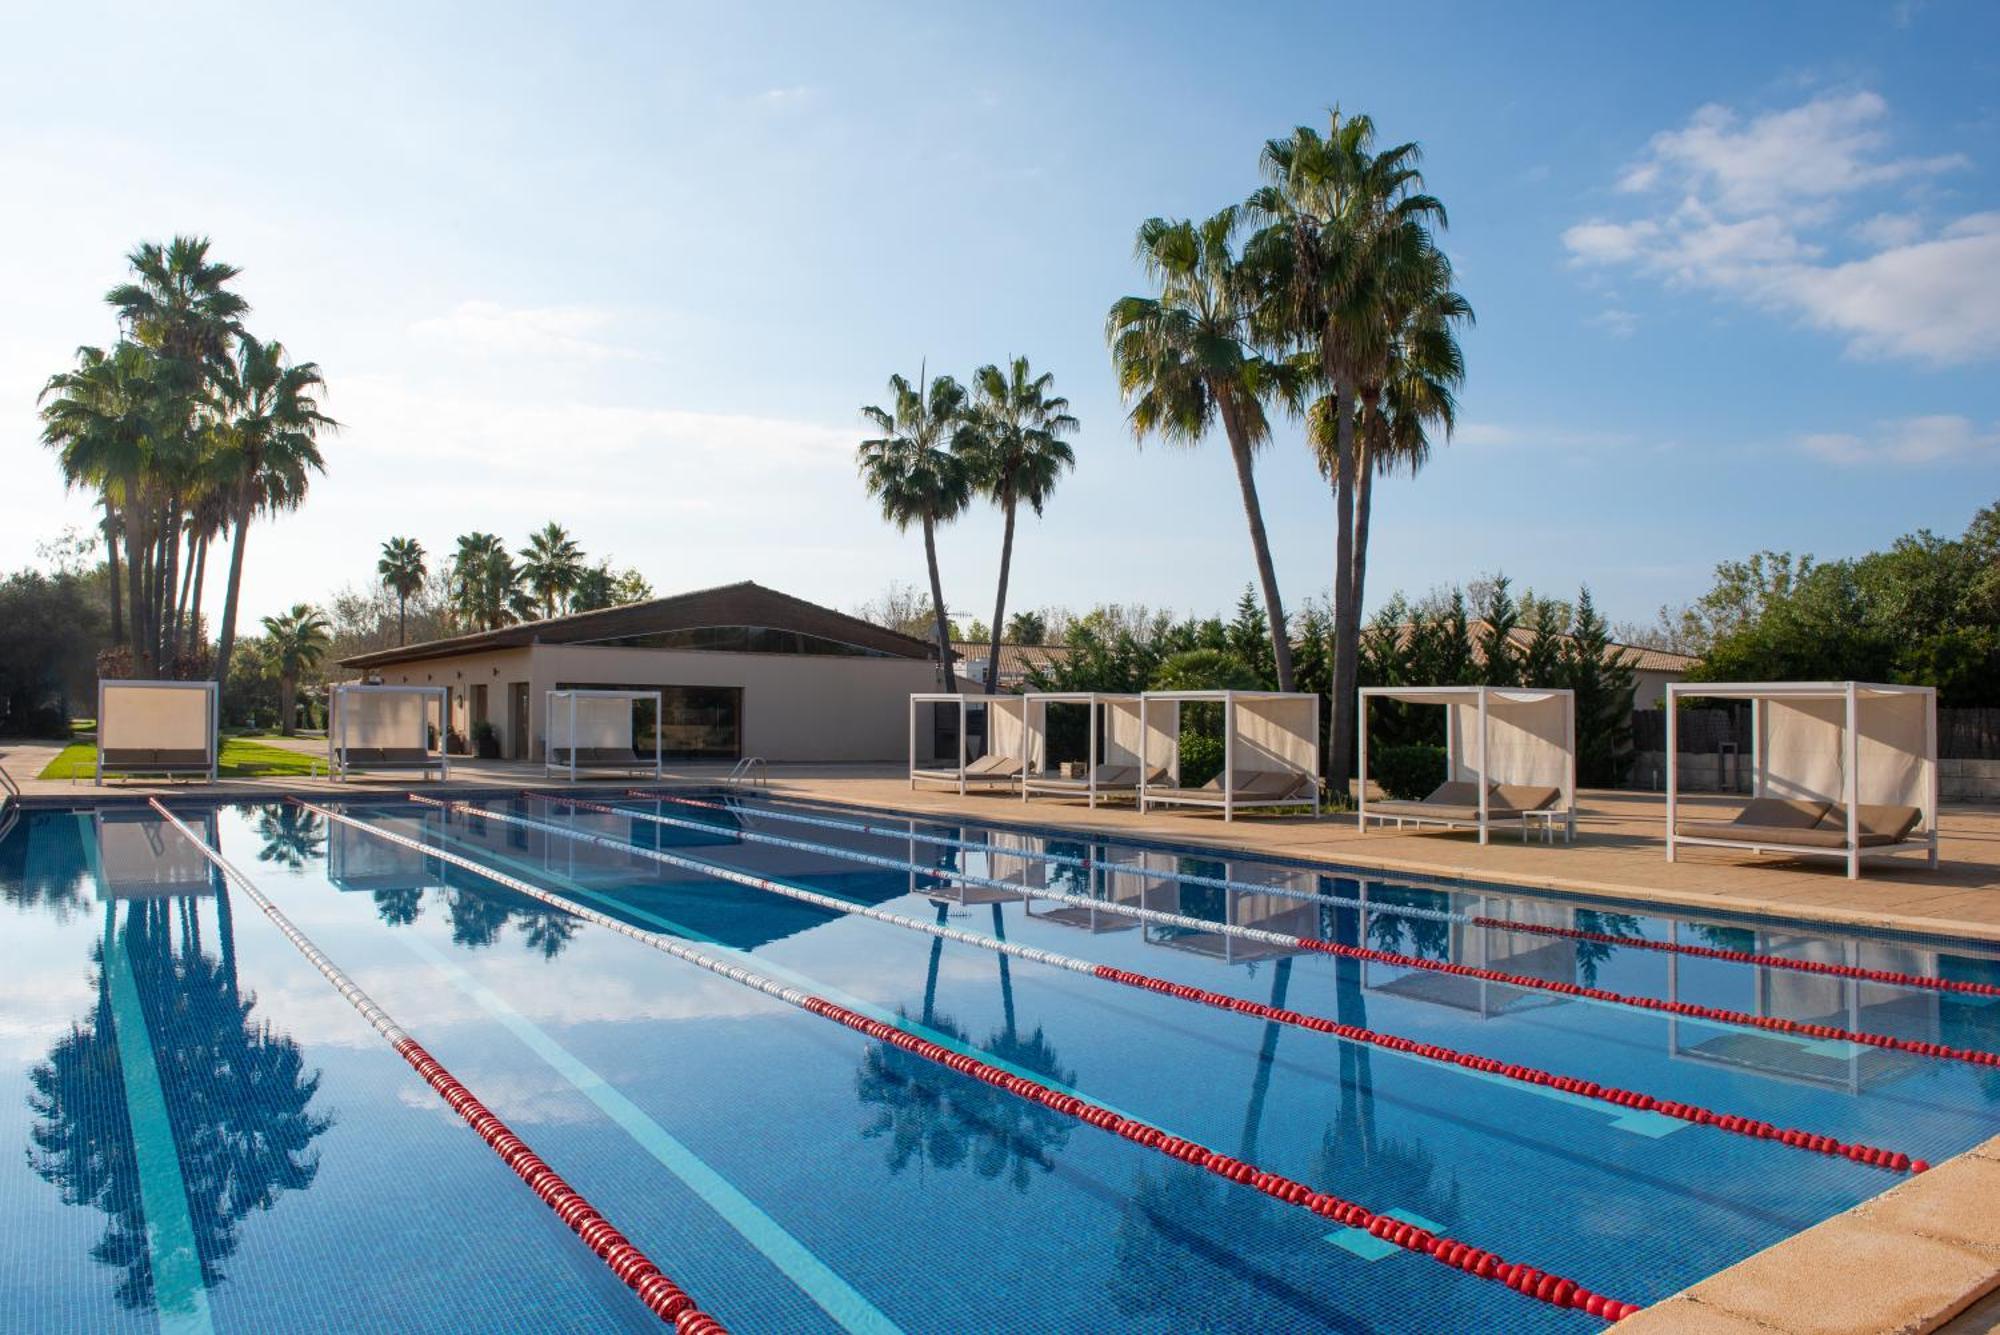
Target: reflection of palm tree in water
[
  {"x": 944, "y": 1117},
  {"x": 237, "y": 1095},
  {"x": 292, "y": 835}
]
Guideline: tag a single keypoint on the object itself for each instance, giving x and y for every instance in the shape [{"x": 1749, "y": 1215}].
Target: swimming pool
[{"x": 202, "y": 1133}]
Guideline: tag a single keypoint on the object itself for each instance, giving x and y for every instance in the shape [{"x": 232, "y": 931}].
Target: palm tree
[
  {"x": 483, "y": 581},
  {"x": 403, "y": 573},
  {"x": 917, "y": 470},
  {"x": 1017, "y": 453},
  {"x": 1343, "y": 228},
  {"x": 551, "y": 565},
  {"x": 1027, "y": 628},
  {"x": 298, "y": 641},
  {"x": 1184, "y": 360},
  {"x": 269, "y": 433},
  {"x": 99, "y": 420}
]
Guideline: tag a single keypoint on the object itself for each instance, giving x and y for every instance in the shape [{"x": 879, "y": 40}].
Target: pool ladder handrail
[
  {"x": 10, "y": 802},
  {"x": 749, "y": 770}
]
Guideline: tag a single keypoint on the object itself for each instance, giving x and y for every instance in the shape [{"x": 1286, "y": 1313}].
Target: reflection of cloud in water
[{"x": 529, "y": 1097}]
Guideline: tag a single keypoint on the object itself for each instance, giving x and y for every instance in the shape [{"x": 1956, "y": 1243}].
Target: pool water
[{"x": 200, "y": 1133}]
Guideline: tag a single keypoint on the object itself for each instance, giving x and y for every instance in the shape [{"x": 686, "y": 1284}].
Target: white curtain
[
  {"x": 1801, "y": 750},
  {"x": 170, "y": 716},
  {"x": 601, "y": 722},
  {"x": 1894, "y": 762},
  {"x": 382, "y": 718},
  {"x": 1277, "y": 735}
]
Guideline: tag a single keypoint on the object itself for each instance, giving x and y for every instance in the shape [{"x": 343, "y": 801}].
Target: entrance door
[{"x": 517, "y": 720}]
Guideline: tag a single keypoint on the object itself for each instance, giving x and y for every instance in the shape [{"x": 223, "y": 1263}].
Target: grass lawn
[{"x": 240, "y": 760}]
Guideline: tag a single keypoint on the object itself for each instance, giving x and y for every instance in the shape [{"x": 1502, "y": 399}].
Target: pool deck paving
[{"x": 1923, "y": 1256}]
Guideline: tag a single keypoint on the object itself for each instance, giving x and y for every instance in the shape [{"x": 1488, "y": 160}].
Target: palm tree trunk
[
  {"x": 1364, "y": 495},
  {"x": 112, "y": 570},
  {"x": 1260, "y": 544},
  {"x": 196, "y": 639},
  {"x": 288, "y": 703},
  {"x": 170, "y": 569},
  {"x": 1346, "y": 618},
  {"x": 1000, "y": 602},
  {"x": 402, "y": 620},
  {"x": 937, "y": 603},
  {"x": 226, "y": 638},
  {"x": 136, "y": 547},
  {"x": 183, "y": 602}
]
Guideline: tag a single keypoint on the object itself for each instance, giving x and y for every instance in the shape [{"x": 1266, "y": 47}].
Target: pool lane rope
[
  {"x": 1631, "y": 1100},
  {"x": 1538, "y": 1284},
  {"x": 664, "y": 1298},
  {"x": 1688, "y": 1009},
  {"x": 1826, "y": 968}
]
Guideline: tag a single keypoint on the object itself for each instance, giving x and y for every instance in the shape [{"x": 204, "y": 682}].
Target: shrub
[
  {"x": 1201, "y": 759},
  {"x": 486, "y": 740},
  {"x": 1408, "y": 772}
]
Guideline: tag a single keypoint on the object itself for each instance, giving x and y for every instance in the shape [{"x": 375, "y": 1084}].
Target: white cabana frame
[
  {"x": 1116, "y": 746},
  {"x": 1844, "y": 744},
  {"x": 1514, "y": 736},
  {"x": 1006, "y": 758},
  {"x": 1270, "y": 750},
  {"x": 167, "y": 728},
  {"x": 372, "y": 727},
  {"x": 590, "y": 731}
]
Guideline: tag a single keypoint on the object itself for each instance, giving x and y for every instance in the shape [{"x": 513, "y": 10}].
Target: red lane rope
[
  {"x": 1590, "y": 1089},
  {"x": 1689, "y": 1009},
  {"x": 1401, "y": 910},
  {"x": 1539, "y": 1284},
  {"x": 1525, "y": 1279},
  {"x": 1688, "y": 1112},
  {"x": 662, "y": 1297},
  {"x": 1746, "y": 957}
]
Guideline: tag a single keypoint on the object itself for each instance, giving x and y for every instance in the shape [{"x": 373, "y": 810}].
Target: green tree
[
  {"x": 403, "y": 573},
  {"x": 1345, "y": 254},
  {"x": 1499, "y": 619},
  {"x": 916, "y": 470},
  {"x": 1027, "y": 628},
  {"x": 486, "y": 588},
  {"x": 1185, "y": 361},
  {"x": 298, "y": 640},
  {"x": 1601, "y": 676},
  {"x": 551, "y": 565},
  {"x": 1016, "y": 452},
  {"x": 269, "y": 436}
]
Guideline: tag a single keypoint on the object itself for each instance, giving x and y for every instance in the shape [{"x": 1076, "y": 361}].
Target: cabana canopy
[
  {"x": 1008, "y": 753},
  {"x": 592, "y": 730},
  {"x": 1270, "y": 750},
  {"x": 1117, "y": 751},
  {"x": 1509, "y": 753},
  {"x": 387, "y": 728},
  {"x": 1843, "y": 769},
  {"x": 156, "y": 727}
]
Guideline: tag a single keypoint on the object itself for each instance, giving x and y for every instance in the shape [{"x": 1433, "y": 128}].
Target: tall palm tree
[
  {"x": 1017, "y": 453},
  {"x": 269, "y": 434},
  {"x": 1342, "y": 224},
  {"x": 483, "y": 579},
  {"x": 99, "y": 419},
  {"x": 403, "y": 573},
  {"x": 1185, "y": 361},
  {"x": 298, "y": 640},
  {"x": 551, "y": 565},
  {"x": 917, "y": 470}
]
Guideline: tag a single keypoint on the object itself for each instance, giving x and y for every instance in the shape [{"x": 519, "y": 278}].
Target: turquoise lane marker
[
  {"x": 834, "y": 1295},
  {"x": 1371, "y": 1248},
  {"x": 180, "y": 1298}
]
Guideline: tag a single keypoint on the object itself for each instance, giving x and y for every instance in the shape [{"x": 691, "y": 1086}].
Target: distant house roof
[
  {"x": 1637, "y": 656},
  {"x": 728, "y": 605},
  {"x": 1016, "y": 660}
]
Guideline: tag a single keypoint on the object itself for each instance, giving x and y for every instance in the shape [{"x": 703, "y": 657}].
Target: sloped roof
[
  {"x": 1016, "y": 660},
  {"x": 745, "y": 603}
]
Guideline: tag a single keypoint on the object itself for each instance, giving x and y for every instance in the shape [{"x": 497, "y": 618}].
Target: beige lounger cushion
[
  {"x": 991, "y": 764},
  {"x": 133, "y": 757},
  {"x": 1806, "y": 824},
  {"x": 1523, "y": 797},
  {"x": 1878, "y": 824}
]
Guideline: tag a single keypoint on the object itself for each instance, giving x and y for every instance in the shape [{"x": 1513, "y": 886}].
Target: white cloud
[
  {"x": 487, "y": 327},
  {"x": 1616, "y": 321},
  {"x": 1909, "y": 440},
  {"x": 1750, "y": 208}
]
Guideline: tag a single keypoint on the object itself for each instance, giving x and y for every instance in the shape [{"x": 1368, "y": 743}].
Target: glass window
[
  {"x": 696, "y": 722},
  {"x": 741, "y": 640}
]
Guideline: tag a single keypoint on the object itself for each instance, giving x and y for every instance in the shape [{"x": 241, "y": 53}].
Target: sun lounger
[
  {"x": 1254, "y": 788},
  {"x": 987, "y": 771},
  {"x": 1793, "y": 825},
  {"x": 1454, "y": 804}
]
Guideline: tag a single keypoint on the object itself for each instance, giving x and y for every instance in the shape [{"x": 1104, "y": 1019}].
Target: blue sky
[{"x": 636, "y": 268}]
